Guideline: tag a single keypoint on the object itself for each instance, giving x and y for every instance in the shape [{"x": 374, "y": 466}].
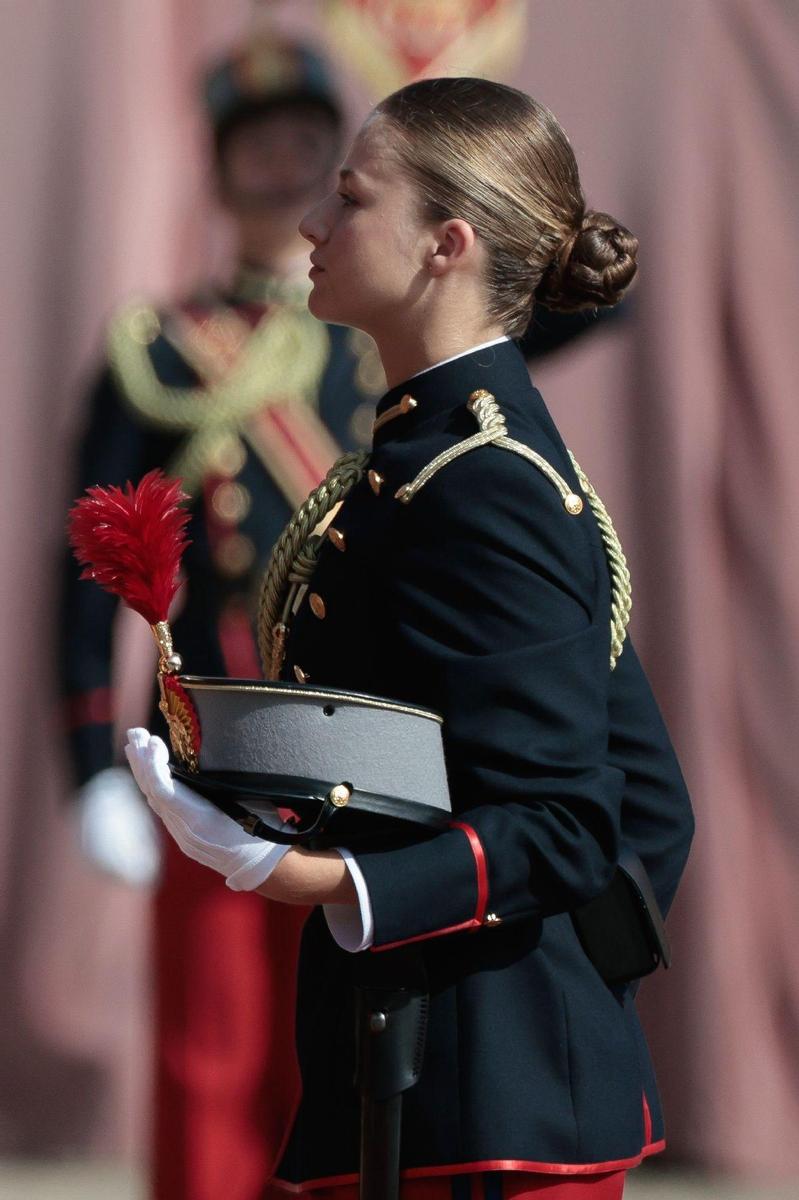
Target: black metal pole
[
  {"x": 391, "y": 1028},
  {"x": 381, "y": 1122}
]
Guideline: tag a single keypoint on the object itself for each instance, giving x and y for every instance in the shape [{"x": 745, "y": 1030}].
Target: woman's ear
[{"x": 455, "y": 244}]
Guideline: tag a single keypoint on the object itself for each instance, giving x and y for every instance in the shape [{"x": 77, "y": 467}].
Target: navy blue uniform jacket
[{"x": 484, "y": 599}]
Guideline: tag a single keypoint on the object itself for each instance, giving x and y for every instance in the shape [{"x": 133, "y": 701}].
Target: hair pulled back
[{"x": 498, "y": 159}]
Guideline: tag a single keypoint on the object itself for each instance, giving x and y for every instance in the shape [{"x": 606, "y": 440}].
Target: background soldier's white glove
[
  {"x": 116, "y": 830},
  {"x": 201, "y": 830}
]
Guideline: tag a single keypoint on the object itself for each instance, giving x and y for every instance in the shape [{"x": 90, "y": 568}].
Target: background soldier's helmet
[{"x": 263, "y": 73}]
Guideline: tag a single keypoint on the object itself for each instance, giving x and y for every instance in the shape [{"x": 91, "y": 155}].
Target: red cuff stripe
[
  {"x": 480, "y": 865},
  {"x": 474, "y": 922},
  {"x": 90, "y": 708},
  {"x": 423, "y": 937}
]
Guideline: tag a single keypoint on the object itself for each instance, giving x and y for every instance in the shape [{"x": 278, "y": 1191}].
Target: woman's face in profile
[{"x": 369, "y": 242}]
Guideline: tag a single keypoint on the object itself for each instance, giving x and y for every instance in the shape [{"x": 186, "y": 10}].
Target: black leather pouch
[{"x": 622, "y": 930}]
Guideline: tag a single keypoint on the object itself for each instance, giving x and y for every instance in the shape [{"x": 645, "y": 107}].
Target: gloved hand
[
  {"x": 116, "y": 830},
  {"x": 203, "y": 832}
]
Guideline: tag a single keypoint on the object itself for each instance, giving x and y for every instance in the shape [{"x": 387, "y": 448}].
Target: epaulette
[{"x": 492, "y": 430}]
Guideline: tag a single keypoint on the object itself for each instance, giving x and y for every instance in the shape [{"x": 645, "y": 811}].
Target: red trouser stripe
[{"x": 512, "y": 1185}]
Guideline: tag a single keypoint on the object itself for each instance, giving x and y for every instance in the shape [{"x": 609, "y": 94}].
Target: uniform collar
[
  {"x": 496, "y": 366},
  {"x": 472, "y": 350}
]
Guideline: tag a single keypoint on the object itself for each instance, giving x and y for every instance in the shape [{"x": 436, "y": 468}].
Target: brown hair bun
[
  {"x": 593, "y": 267},
  {"x": 500, "y": 160}
]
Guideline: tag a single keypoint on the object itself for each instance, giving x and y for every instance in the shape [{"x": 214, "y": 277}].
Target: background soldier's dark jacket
[
  {"x": 118, "y": 446},
  {"x": 485, "y": 600}
]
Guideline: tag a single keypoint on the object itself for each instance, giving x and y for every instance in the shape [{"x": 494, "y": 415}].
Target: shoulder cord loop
[
  {"x": 621, "y": 584},
  {"x": 493, "y": 430},
  {"x": 294, "y": 557}
]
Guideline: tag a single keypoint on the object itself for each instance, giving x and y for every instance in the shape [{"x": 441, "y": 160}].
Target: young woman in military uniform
[{"x": 468, "y": 572}]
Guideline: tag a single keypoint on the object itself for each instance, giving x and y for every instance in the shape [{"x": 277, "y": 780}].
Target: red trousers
[{"x": 225, "y": 988}]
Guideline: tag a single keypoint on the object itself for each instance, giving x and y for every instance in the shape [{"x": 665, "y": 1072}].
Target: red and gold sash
[{"x": 287, "y": 433}]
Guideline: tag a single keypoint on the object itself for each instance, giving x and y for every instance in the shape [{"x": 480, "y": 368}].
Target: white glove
[
  {"x": 116, "y": 830},
  {"x": 203, "y": 832}
]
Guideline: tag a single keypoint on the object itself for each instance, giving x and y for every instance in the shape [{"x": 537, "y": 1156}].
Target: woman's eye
[{"x": 346, "y": 198}]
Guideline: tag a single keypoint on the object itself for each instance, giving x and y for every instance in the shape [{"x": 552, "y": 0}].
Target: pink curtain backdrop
[{"x": 684, "y": 119}]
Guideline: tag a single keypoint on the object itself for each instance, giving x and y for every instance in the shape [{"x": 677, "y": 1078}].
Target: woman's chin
[
  {"x": 324, "y": 308},
  {"x": 317, "y": 305}
]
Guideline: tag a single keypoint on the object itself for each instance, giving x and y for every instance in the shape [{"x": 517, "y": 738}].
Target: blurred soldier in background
[{"x": 248, "y": 399}]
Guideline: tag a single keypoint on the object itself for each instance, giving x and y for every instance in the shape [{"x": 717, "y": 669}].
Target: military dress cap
[
  {"x": 353, "y": 767},
  {"x": 263, "y": 72}
]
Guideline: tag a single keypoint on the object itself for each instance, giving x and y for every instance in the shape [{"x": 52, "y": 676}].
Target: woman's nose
[{"x": 312, "y": 226}]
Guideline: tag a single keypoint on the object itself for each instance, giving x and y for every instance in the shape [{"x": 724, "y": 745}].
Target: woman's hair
[{"x": 498, "y": 159}]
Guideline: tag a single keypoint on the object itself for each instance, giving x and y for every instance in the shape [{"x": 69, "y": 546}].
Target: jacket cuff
[{"x": 429, "y": 889}]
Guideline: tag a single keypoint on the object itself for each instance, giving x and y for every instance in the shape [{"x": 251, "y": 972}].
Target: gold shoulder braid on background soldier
[
  {"x": 294, "y": 557},
  {"x": 282, "y": 361}
]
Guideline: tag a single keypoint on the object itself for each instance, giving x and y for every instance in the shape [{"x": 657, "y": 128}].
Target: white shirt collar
[{"x": 463, "y": 353}]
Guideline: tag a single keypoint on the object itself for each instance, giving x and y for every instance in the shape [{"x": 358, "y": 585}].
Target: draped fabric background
[{"x": 684, "y": 118}]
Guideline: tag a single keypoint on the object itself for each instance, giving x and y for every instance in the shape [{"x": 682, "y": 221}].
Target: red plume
[{"x": 131, "y": 540}]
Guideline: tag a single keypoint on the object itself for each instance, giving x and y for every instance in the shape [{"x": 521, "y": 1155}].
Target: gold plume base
[{"x": 176, "y": 707}]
